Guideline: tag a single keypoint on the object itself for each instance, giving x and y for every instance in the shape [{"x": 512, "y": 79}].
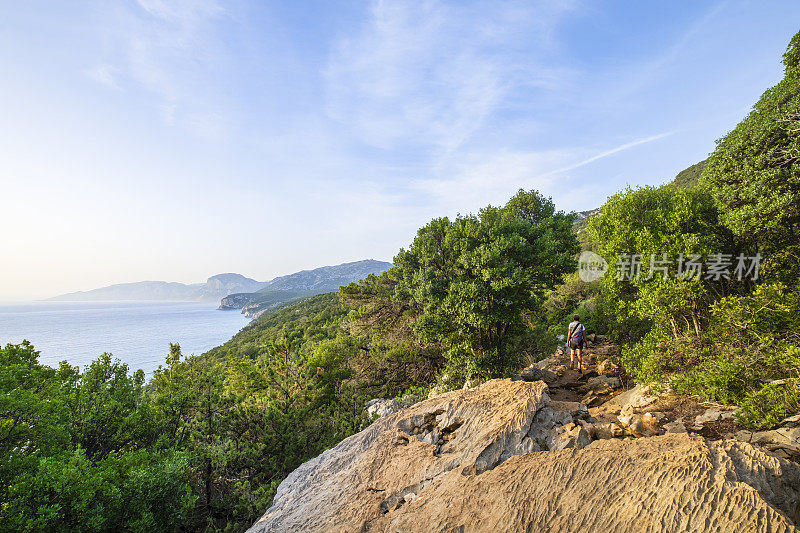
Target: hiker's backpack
[{"x": 577, "y": 336}]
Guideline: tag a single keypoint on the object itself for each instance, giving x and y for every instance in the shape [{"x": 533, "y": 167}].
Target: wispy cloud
[
  {"x": 494, "y": 176},
  {"x": 169, "y": 49},
  {"x": 606, "y": 153},
  {"x": 103, "y": 74},
  {"x": 428, "y": 74}
]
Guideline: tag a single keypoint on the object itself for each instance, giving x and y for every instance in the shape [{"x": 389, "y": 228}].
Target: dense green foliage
[
  {"x": 657, "y": 225},
  {"x": 205, "y": 443},
  {"x": 78, "y": 451},
  {"x": 473, "y": 279},
  {"x": 755, "y": 177},
  {"x": 714, "y": 336}
]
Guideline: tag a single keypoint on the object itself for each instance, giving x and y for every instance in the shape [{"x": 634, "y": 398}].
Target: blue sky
[{"x": 174, "y": 140}]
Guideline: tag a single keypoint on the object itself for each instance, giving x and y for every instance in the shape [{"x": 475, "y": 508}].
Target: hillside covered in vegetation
[{"x": 714, "y": 311}]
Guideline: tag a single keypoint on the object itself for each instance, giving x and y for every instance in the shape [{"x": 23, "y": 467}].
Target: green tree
[
  {"x": 104, "y": 406},
  {"x": 474, "y": 278},
  {"x": 755, "y": 177},
  {"x": 650, "y": 223},
  {"x": 32, "y": 421}
]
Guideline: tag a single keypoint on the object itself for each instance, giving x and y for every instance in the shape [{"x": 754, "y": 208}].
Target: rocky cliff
[
  {"x": 504, "y": 456},
  {"x": 302, "y": 285}
]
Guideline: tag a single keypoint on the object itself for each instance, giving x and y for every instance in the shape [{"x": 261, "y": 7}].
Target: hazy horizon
[{"x": 171, "y": 141}]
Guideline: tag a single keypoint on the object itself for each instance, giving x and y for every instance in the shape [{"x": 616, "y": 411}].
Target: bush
[{"x": 770, "y": 404}]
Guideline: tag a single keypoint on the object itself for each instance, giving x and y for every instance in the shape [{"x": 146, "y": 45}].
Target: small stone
[
  {"x": 791, "y": 421},
  {"x": 712, "y": 415},
  {"x": 531, "y": 373},
  {"x": 676, "y": 426}
]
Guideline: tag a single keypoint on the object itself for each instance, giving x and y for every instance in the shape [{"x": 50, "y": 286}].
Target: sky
[{"x": 174, "y": 139}]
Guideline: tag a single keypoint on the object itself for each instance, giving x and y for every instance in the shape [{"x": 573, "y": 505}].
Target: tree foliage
[
  {"x": 755, "y": 177},
  {"x": 473, "y": 279},
  {"x": 660, "y": 224}
]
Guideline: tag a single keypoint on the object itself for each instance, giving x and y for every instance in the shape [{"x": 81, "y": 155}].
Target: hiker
[{"x": 575, "y": 338}]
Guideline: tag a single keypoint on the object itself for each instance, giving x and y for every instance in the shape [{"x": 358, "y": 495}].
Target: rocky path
[{"x": 624, "y": 409}]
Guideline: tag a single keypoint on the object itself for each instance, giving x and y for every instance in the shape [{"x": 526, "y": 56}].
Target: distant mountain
[
  {"x": 302, "y": 285},
  {"x": 236, "y": 291},
  {"x": 690, "y": 177},
  {"x": 327, "y": 278},
  {"x": 213, "y": 289}
]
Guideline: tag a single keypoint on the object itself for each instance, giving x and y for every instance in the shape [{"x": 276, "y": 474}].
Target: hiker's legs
[
  {"x": 580, "y": 358},
  {"x": 571, "y": 358}
]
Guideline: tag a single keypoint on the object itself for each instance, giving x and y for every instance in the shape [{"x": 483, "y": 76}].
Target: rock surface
[
  {"x": 490, "y": 459},
  {"x": 381, "y": 407}
]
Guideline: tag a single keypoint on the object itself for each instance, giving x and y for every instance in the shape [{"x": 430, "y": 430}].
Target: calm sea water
[{"x": 137, "y": 333}]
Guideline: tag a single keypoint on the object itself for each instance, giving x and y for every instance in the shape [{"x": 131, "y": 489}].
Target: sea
[{"x": 136, "y": 333}]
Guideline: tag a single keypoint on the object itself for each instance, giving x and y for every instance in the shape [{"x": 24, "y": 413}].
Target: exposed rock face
[
  {"x": 301, "y": 284},
  {"x": 381, "y": 407},
  {"x": 235, "y": 301},
  {"x": 470, "y": 460}
]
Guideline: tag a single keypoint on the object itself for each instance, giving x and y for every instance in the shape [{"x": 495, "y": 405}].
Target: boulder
[
  {"x": 638, "y": 398},
  {"x": 676, "y": 426},
  {"x": 534, "y": 373},
  {"x": 792, "y": 421},
  {"x": 601, "y": 384},
  {"x": 548, "y": 363},
  {"x": 608, "y": 367},
  {"x": 636, "y": 424},
  {"x": 568, "y": 436},
  {"x": 782, "y": 442},
  {"x": 606, "y": 430},
  {"x": 371, "y": 482}
]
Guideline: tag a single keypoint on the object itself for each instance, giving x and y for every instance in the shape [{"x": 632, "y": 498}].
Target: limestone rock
[
  {"x": 636, "y": 424},
  {"x": 601, "y": 384},
  {"x": 672, "y": 482},
  {"x": 534, "y": 373},
  {"x": 608, "y": 367},
  {"x": 469, "y": 460},
  {"x": 549, "y": 362},
  {"x": 792, "y": 421},
  {"x": 607, "y": 430},
  {"x": 782, "y": 442},
  {"x": 676, "y": 426},
  {"x": 713, "y": 414},
  {"x": 568, "y": 436},
  {"x": 639, "y": 397},
  {"x": 380, "y": 407}
]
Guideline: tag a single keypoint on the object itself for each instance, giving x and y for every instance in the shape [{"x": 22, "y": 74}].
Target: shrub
[{"x": 770, "y": 404}]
